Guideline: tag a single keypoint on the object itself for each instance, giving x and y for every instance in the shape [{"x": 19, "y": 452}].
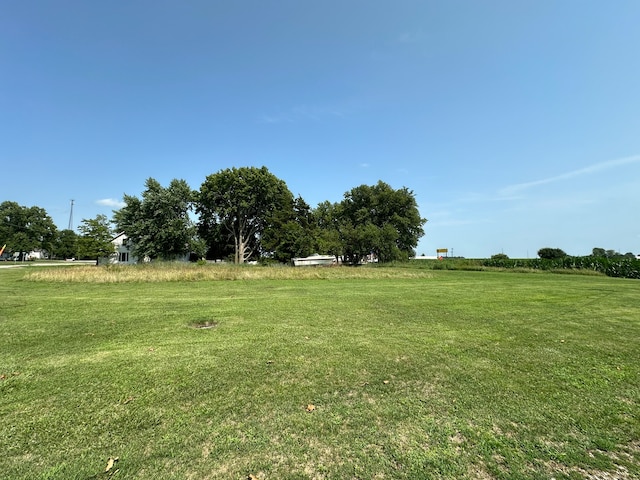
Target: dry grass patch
[{"x": 184, "y": 272}]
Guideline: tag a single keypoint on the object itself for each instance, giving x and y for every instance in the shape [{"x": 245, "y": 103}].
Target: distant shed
[{"x": 314, "y": 261}]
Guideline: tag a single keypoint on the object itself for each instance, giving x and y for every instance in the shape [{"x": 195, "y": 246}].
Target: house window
[{"x": 123, "y": 257}]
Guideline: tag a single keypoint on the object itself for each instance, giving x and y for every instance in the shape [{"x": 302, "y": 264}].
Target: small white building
[
  {"x": 314, "y": 260},
  {"x": 122, "y": 254}
]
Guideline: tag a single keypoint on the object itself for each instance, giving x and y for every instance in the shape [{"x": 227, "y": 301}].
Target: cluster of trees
[
  {"x": 556, "y": 253},
  {"x": 548, "y": 253},
  {"x": 242, "y": 214},
  {"x": 602, "y": 253},
  {"x": 249, "y": 214},
  {"x": 27, "y": 229}
]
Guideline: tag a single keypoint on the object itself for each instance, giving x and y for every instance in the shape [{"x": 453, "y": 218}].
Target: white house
[{"x": 122, "y": 254}]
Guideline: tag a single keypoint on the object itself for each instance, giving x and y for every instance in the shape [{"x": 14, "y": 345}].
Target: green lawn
[{"x": 446, "y": 374}]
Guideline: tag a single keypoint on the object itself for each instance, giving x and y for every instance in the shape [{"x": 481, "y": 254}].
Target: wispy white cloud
[
  {"x": 409, "y": 37},
  {"x": 591, "y": 169},
  {"x": 302, "y": 113},
  {"x": 110, "y": 202}
]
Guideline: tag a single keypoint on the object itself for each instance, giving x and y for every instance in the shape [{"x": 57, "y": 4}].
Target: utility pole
[{"x": 71, "y": 216}]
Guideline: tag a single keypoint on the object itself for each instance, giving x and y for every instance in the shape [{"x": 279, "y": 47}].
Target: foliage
[
  {"x": 95, "y": 238},
  {"x": 500, "y": 256},
  {"x": 374, "y": 220},
  {"x": 239, "y": 204},
  {"x": 519, "y": 376},
  {"x": 158, "y": 225},
  {"x": 25, "y": 229},
  {"x": 328, "y": 239},
  {"x": 291, "y": 232},
  {"x": 66, "y": 244},
  {"x": 601, "y": 252},
  {"x": 551, "y": 253},
  {"x": 612, "y": 267}
]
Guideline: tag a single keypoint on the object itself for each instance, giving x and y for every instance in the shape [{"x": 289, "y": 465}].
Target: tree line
[
  {"x": 238, "y": 214},
  {"x": 548, "y": 253}
]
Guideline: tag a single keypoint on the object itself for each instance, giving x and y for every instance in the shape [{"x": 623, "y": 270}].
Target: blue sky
[{"x": 516, "y": 124}]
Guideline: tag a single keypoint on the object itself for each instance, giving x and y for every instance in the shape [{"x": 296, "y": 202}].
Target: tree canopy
[
  {"x": 66, "y": 245},
  {"x": 95, "y": 238},
  {"x": 236, "y": 205},
  {"x": 551, "y": 253},
  {"x": 24, "y": 229},
  {"x": 374, "y": 220},
  {"x": 243, "y": 214},
  {"x": 291, "y": 232},
  {"x": 158, "y": 225}
]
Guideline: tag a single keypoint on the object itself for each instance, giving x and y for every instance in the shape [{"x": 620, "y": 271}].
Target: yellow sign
[{"x": 442, "y": 250}]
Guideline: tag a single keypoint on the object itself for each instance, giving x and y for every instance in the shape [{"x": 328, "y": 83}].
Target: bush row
[{"x": 612, "y": 267}]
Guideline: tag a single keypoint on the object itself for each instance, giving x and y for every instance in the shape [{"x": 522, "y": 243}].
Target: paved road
[{"x": 12, "y": 264}]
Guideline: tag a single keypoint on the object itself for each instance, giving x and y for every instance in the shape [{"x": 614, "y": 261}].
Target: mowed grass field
[{"x": 362, "y": 373}]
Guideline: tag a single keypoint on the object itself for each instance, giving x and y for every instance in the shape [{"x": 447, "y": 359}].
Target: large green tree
[
  {"x": 159, "y": 225},
  {"x": 24, "y": 229},
  {"x": 551, "y": 253},
  {"x": 327, "y": 237},
  {"x": 237, "y": 205},
  {"x": 292, "y": 232},
  {"x": 66, "y": 244},
  {"x": 95, "y": 238},
  {"x": 377, "y": 220}
]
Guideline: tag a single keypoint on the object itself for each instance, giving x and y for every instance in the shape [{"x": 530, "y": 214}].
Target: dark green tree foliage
[
  {"x": 95, "y": 238},
  {"x": 241, "y": 203},
  {"x": 551, "y": 253},
  {"x": 291, "y": 232},
  {"x": 24, "y": 229},
  {"x": 158, "y": 225},
  {"x": 378, "y": 220},
  {"x": 66, "y": 245},
  {"x": 601, "y": 252},
  {"x": 500, "y": 256},
  {"x": 327, "y": 220}
]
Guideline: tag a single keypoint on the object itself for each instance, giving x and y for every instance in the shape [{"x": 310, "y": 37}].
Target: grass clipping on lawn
[{"x": 184, "y": 272}]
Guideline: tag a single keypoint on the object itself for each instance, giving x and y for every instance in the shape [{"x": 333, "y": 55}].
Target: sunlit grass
[{"x": 457, "y": 375}]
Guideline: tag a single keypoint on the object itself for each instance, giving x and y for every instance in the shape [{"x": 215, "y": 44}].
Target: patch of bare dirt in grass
[
  {"x": 204, "y": 325},
  {"x": 478, "y": 471},
  {"x": 621, "y": 472}
]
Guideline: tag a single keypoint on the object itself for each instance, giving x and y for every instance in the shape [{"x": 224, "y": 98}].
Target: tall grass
[{"x": 186, "y": 272}]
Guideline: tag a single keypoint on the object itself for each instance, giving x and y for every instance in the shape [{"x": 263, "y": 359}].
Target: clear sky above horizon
[{"x": 516, "y": 124}]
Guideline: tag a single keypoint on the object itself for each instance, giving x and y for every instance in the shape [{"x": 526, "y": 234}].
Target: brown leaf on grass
[
  {"x": 127, "y": 400},
  {"x": 3, "y": 376},
  {"x": 386, "y": 382},
  {"x": 310, "y": 408},
  {"x": 110, "y": 463},
  {"x": 252, "y": 477}
]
